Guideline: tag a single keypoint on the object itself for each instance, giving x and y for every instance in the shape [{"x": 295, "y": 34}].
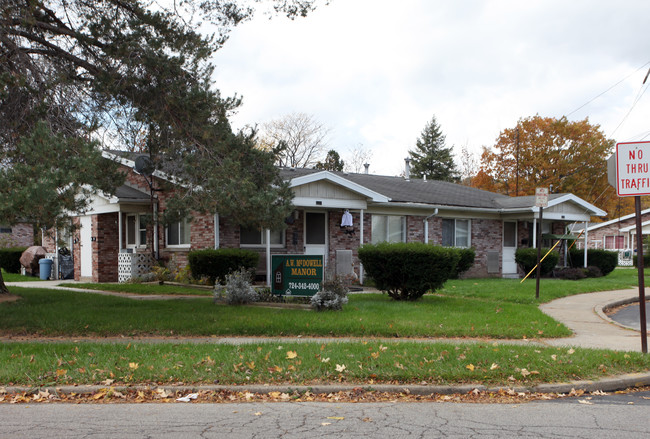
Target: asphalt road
[
  {"x": 608, "y": 416},
  {"x": 629, "y": 315}
]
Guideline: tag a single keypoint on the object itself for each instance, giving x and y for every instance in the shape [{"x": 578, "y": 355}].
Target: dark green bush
[
  {"x": 408, "y": 270},
  {"x": 569, "y": 273},
  {"x": 646, "y": 260},
  {"x": 10, "y": 258},
  {"x": 605, "y": 260},
  {"x": 216, "y": 264},
  {"x": 526, "y": 258},
  {"x": 467, "y": 256}
]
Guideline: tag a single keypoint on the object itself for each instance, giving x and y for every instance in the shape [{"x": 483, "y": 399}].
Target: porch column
[
  {"x": 119, "y": 228},
  {"x": 534, "y": 232},
  {"x": 360, "y": 244},
  {"x": 268, "y": 257},
  {"x": 586, "y": 236}
]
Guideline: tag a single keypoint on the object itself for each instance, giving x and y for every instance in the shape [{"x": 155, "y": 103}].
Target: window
[
  {"x": 254, "y": 237},
  {"x": 388, "y": 228},
  {"x": 178, "y": 234},
  {"x": 455, "y": 232},
  {"x": 5, "y": 229},
  {"x": 614, "y": 242},
  {"x": 136, "y": 230}
]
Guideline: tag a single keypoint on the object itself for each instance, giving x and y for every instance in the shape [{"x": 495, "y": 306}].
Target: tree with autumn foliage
[{"x": 567, "y": 156}]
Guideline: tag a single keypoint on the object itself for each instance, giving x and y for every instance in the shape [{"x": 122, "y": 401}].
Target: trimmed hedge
[
  {"x": 467, "y": 257},
  {"x": 646, "y": 260},
  {"x": 605, "y": 260},
  {"x": 526, "y": 258},
  {"x": 406, "y": 271},
  {"x": 216, "y": 264},
  {"x": 10, "y": 258}
]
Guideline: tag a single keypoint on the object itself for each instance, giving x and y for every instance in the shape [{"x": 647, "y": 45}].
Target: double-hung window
[
  {"x": 254, "y": 237},
  {"x": 388, "y": 228},
  {"x": 178, "y": 234},
  {"x": 614, "y": 242},
  {"x": 456, "y": 232}
]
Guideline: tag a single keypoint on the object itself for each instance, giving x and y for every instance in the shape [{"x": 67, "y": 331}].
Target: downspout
[
  {"x": 217, "y": 243},
  {"x": 155, "y": 231},
  {"x": 426, "y": 225},
  {"x": 119, "y": 228}
]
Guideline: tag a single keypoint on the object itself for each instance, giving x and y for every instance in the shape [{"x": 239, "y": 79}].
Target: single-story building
[
  {"x": 618, "y": 234},
  {"x": 380, "y": 208}
]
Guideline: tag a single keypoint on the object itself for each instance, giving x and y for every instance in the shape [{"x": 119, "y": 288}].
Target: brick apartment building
[{"x": 382, "y": 208}]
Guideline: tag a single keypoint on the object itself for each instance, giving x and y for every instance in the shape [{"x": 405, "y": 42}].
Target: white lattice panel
[{"x": 133, "y": 265}]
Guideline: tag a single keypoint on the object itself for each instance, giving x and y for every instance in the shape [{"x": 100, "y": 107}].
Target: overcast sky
[{"x": 376, "y": 71}]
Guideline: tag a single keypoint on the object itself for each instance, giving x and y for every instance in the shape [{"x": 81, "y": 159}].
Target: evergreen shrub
[
  {"x": 605, "y": 260},
  {"x": 467, "y": 257},
  {"x": 10, "y": 258},
  {"x": 216, "y": 264},
  {"x": 406, "y": 271},
  {"x": 526, "y": 258}
]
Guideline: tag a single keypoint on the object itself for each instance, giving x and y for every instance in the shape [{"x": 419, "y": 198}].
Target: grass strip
[
  {"x": 372, "y": 362},
  {"x": 66, "y": 313}
]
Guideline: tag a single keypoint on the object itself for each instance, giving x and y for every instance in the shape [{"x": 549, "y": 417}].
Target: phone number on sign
[{"x": 304, "y": 286}]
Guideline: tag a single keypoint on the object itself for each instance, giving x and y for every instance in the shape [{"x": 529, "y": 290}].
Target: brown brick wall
[{"x": 22, "y": 235}]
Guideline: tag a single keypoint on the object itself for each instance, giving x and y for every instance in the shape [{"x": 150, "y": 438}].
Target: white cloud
[{"x": 376, "y": 71}]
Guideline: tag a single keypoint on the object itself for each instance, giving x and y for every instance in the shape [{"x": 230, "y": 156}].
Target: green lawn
[
  {"x": 70, "y": 313},
  {"x": 15, "y": 277},
  {"x": 147, "y": 288},
  {"x": 490, "y": 308},
  {"x": 366, "y": 363}
]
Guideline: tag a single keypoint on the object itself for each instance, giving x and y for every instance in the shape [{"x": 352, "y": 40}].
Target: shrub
[
  {"x": 216, "y": 264},
  {"x": 646, "y": 260},
  {"x": 570, "y": 273},
  {"x": 332, "y": 296},
  {"x": 238, "y": 289},
  {"x": 593, "y": 271},
  {"x": 605, "y": 260},
  {"x": 467, "y": 256},
  {"x": 408, "y": 270},
  {"x": 526, "y": 258},
  {"x": 10, "y": 258}
]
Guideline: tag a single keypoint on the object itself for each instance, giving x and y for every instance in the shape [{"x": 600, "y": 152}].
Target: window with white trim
[
  {"x": 178, "y": 234},
  {"x": 388, "y": 228},
  {"x": 136, "y": 230},
  {"x": 614, "y": 242},
  {"x": 254, "y": 237},
  {"x": 5, "y": 229},
  {"x": 456, "y": 232}
]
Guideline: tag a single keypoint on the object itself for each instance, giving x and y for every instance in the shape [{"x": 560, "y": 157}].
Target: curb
[{"x": 612, "y": 384}]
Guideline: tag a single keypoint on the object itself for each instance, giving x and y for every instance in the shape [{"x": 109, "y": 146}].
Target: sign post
[
  {"x": 633, "y": 179},
  {"x": 541, "y": 201}
]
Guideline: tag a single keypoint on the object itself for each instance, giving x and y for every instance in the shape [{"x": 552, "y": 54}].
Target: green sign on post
[{"x": 296, "y": 275}]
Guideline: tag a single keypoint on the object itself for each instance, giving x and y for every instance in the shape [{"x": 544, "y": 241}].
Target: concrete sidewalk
[{"x": 584, "y": 315}]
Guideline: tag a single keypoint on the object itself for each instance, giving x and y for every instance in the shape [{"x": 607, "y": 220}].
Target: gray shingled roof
[
  {"x": 128, "y": 194},
  {"x": 398, "y": 189}
]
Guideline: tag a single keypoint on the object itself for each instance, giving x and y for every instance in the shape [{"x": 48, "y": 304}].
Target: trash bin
[{"x": 45, "y": 268}]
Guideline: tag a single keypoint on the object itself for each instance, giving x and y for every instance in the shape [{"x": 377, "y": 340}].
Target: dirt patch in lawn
[{"x": 8, "y": 298}]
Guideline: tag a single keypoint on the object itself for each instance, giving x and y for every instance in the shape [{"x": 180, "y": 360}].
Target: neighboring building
[
  {"x": 382, "y": 208},
  {"x": 19, "y": 235}
]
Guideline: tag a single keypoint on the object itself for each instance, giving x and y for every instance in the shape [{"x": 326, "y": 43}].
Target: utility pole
[{"x": 517, "y": 160}]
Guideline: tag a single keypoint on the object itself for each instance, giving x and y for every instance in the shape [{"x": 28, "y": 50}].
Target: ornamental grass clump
[
  {"x": 238, "y": 289},
  {"x": 332, "y": 296}
]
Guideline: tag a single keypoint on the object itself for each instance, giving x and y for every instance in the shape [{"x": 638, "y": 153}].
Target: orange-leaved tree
[{"x": 569, "y": 156}]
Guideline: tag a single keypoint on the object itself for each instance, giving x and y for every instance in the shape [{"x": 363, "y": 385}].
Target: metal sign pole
[
  {"x": 539, "y": 252},
  {"x": 640, "y": 267}
]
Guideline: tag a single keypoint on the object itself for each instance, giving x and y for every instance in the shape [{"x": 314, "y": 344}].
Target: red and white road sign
[{"x": 632, "y": 169}]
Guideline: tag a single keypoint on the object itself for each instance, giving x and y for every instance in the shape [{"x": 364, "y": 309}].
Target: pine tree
[
  {"x": 332, "y": 162},
  {"x": 431, "y": 158}
]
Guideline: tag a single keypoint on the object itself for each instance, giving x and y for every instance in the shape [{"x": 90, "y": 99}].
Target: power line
[{"x": 599, "y": 95}]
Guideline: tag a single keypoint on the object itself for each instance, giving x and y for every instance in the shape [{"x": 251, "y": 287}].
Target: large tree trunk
[{"x": 3, "y": 287}]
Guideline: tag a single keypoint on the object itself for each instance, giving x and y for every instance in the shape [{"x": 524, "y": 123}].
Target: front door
[
  {"x": 509, "y": 248},
  {"x": 85, "y": 244},
  {"x": 316, "y": 234}
]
